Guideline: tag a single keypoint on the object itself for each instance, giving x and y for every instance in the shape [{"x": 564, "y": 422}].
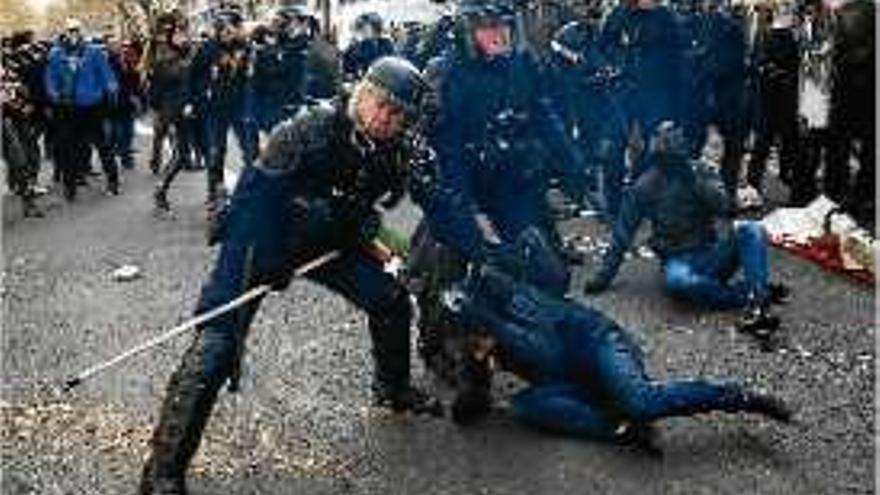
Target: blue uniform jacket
[
  {"x": 81, "y": 77},
  {"x": 648, "y": 46},
  {"x": 222, "y": 77},
  {"x": 359, "y": 55},
  {"x": 471, "y": 94}
]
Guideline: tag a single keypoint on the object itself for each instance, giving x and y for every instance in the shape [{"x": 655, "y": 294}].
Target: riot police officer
[
  {"x": 222, "y": 82},
  {"x": 590, "y": 91},
  {"x": 645, "y": 41},
  {"x": 498, "y": 137},
  {"x": 715, "y": 43},
  {"x": 370, "y": 43},
  {"x": 314, "y": 190},
  {"x": 279, "y": 70}
]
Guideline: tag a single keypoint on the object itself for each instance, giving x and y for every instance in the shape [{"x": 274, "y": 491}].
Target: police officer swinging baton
[{"x": 245, "y": 298}]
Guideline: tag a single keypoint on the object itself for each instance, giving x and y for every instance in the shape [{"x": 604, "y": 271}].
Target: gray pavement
[{"x": 302, "y": 423}]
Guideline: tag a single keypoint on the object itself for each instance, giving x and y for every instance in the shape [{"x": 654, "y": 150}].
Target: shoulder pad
[
  {"x": 436, "y": 70},
  {"x": 310, "y": 129}
]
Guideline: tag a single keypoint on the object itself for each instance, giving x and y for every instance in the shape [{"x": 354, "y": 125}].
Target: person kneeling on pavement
[
  {"x": 313, "y": 191},
  {"x": 586, "y": 375},
  {"x": 683, "y": 200}
]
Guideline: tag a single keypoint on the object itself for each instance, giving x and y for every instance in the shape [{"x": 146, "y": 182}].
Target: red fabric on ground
[{"x": 825, "y": 251}]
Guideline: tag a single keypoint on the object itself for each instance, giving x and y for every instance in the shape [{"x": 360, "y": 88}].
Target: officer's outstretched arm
[{"x": 441, "y": 186}]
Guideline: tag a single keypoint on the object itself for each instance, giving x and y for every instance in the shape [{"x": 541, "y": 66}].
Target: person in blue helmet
[
  {"x": 684, "y": 200},
  {"x": 370, "y": 43},
  {"x": 221, "y": 81},
  {"x": 315, "y": 189},
  {"x": 499, "y": 138},
  {"x": 589, "y": 91}
]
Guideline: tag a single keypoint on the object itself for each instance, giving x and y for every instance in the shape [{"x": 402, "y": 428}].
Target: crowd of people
[
  {"x": 478, "y": 127},
  {"x": 796, "y": 77}
]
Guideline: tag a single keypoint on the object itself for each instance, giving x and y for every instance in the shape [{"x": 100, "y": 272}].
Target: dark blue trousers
[{"x": 266, "y": 238}]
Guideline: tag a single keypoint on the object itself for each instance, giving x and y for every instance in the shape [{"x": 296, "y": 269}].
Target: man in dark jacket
[
  {"x": 586, "y": 375},
  {"x": 22, "y": 109},
  {"x": 778, "y": 63},
  {"x": 683, "y": 200},
  {"x": 124, "y": 59},
  {"x": 168, "y": 83},
  {"x": 852, "y": 119},
  {"x": 314, "y": 190}
]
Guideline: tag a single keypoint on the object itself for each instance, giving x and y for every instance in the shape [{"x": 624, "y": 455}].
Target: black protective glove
[
  {"x": 595, "y": 284},
  {"x": 355, "y": 226}
]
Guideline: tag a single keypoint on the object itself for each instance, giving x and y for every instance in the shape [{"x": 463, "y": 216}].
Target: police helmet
[
  {"x": 291, "y": 12},
  {"x": 473, "y": 13},
  {"x": 401, "y": 80},
  {"x": 573, "y": 36},
  {"x": 478, "y": 11},
  {"x": 369, "y": 20},
  {"x": 668, "y": 141},
  {"x": 227, "y": 16}
]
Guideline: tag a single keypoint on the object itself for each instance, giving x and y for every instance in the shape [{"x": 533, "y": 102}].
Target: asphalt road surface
[{"x": 302, "y": 422}]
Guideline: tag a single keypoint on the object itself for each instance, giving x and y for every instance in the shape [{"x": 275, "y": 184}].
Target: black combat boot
[
  {"x": 188, "y": 402},
  {"x": 160, "y": 200},
  {"x": 738, "y": 399},
  {"x": 31, "y": 210},
  {"x": 389, "y": 332},
  {"x": 403, "y": 398},
  {"x": 759, "y": 322},
  {"x": 474, "y": 399},
  {"x": 779, "y": 293},
  {"x": 769, "y": 405},
  {"x": 639, "y": 436}
]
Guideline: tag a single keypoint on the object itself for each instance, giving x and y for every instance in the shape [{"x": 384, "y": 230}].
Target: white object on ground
[
  {"x": 126, "y": 273},
  {"x": 858, "y": 249},
  {"x": 799, "y": 224}
]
